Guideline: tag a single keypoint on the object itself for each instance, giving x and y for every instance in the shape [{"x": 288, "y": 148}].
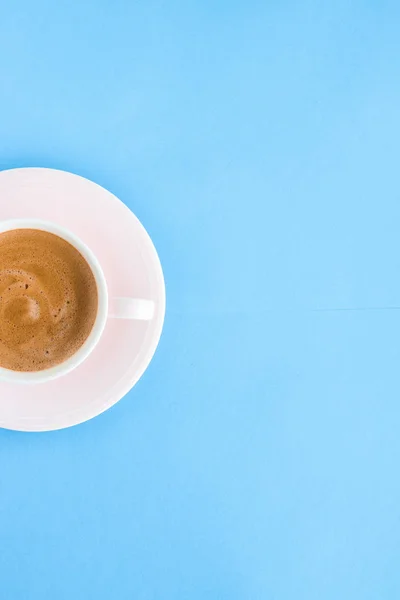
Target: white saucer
[{"x": 132, "y": 268}]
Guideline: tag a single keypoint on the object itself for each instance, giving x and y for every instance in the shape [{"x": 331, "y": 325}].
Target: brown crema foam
[{"x": 48, "y": 300}]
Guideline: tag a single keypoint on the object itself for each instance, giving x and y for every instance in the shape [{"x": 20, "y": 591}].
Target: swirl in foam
[{"x": 48, "y": 300}]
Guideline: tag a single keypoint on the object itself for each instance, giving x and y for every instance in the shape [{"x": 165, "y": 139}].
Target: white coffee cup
[{"x": 115, "y": 308}]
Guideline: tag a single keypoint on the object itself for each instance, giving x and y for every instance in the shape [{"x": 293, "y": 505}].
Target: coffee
[{"x": 48, "y": 300}]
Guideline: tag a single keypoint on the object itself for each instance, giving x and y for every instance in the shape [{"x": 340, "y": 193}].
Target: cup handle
[{"x": 131, "y": 308}]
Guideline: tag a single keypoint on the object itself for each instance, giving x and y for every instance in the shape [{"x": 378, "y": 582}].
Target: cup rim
[{"x": 92, "y": 340}]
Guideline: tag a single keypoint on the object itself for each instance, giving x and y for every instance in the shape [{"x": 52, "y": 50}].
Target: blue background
[{"x": 259, "y": 455}]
